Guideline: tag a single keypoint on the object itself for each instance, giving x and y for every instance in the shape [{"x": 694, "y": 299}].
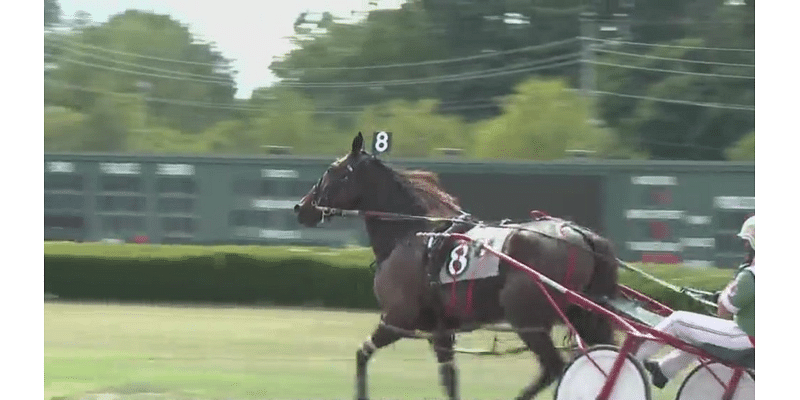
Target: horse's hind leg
[
  {"x": 443, "y": 346},
  {"x": 382, "y": 337},
  {"x": 542, "y": 345}
]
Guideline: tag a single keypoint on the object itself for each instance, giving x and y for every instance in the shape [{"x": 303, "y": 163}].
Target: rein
[
  {"x": 338, "y": 212},
  {"x": 701, "y": 296}
]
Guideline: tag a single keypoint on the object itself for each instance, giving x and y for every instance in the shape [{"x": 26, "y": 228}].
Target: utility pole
[
  {"x": 604, "y": 22},
  {"x": 588, "y": 22}
]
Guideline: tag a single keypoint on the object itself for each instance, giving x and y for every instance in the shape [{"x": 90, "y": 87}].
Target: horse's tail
[{"x": 594, "y": 327}]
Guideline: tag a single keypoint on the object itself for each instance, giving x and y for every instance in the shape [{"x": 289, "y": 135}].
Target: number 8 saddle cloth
[{"x": 467, "y": 261}]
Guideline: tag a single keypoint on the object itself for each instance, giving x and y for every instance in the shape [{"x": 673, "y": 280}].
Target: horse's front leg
[
  {"x": 444, "y": 347},
  {"x": 382, "y": 337}
]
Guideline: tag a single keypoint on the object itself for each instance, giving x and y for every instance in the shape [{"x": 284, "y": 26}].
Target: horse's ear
[{"x": 358, "y": 143}]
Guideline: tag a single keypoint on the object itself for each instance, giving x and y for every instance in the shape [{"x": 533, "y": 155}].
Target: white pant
[{"x": 693, "y": 329}]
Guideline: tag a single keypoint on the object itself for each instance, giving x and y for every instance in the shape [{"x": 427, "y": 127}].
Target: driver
[{"x": 737, "y": 300}]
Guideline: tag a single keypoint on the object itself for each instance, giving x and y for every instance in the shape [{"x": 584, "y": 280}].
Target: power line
[
  {"x": 189, "y": 103},
  {"x": 434, "y": 62},
  {"x": 433, "y": 79},
  {"x": 611, "y": 41},
  {"x": 466, "y": 102},
  {"x": 176, "y": 73},
  {"x": 532, "y": 66},
  {"x": 622, "y": 53},
  {"x": 233, "y": 107},
  {"x": 172, "y": 60},
  {"x": 105, "y": 67},
  {"x": 442, "y": 106},
  {"x": 182, "y": 102},
  {"x": 671, "y": 71},
  {"x": 651, "y": 22},
  {"x": 683, "y": 102},
  {"x": 412, "y": 64}
]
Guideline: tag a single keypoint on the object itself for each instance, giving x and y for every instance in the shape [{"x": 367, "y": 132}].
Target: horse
[{"x": 409, "y": 302}]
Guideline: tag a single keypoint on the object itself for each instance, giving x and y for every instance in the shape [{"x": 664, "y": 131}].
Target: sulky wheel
[
  {"x": 583, "y": 381},
  {"x": 701, "y": 384}
]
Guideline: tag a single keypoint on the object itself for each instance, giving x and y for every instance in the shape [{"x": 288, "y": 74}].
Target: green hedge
[
  {"x": 266, "y": 274},
  {"x": 229, "y": 274}
]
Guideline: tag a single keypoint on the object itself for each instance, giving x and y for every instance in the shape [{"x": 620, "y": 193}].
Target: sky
[{"x": 247, "y": 31}]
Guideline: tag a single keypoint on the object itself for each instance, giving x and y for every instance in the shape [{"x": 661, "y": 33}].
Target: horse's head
[
  {"x": 307, "y": 213},
  {"x": 339, "y": 187}
]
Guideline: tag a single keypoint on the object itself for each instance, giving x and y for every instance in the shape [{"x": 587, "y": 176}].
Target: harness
[
  {"x": 435, "y": 251},
  {"x": 435, "y": 256}
]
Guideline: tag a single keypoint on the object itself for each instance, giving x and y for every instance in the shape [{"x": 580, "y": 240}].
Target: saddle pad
[{"x": 467, "y": 261}]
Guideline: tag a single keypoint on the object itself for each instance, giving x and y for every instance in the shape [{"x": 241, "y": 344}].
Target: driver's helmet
[{"x": 748, "y": 231}]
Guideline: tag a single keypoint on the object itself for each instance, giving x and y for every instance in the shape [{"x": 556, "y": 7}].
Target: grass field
[{"x": 113, "y": 351}]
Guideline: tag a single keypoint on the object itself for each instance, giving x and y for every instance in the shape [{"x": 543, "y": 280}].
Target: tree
[
  {"x": 503, "y": 27},
  {"x": 288, "y": 119},
  {"x": 685, "y": 99},
  {"x": 418, "y": 130},
  {"x": 480, "y": 40},
  {"x": 63, "y": 129},
  {"x": 231, "y": 136},
  {"x": 273, "y": 117},
  {"x": 338, "y": 56},
  {"x": 541, "y": 121},
  {"x": 744, "y": 149},
  {"x": 156, "y": 139},
  {"x": 149, "y": 55},
  {"x": 106, "y": 128},
  {"x": 52, "y": 12}
]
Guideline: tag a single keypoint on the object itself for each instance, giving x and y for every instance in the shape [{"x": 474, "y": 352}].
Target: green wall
[{"x": 661, "y": 211}]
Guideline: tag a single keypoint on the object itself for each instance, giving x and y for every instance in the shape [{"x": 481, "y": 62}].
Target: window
[
  {"x": 121, "y": 203},
  {"x": 176, "y": 205},
  {"x": 245, "y": 187},
  {"x": 262, "y": 187},
  {"x": 177, "y": 185},
  {"x": 179, "y": 225},
  {"x": 120, "y": 183},
  {"x": 62, "y": 181},
  {"x": 63, "y": 221},
  {"x": 732, "y": 220},
  {"x": 655, "y": 196},
  {"x": 63, "y": 201}
]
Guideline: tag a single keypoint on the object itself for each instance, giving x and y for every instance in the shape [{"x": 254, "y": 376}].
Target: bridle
[
  {"x": 328, "y": 212},
  {"x": 350, "y": 167}
]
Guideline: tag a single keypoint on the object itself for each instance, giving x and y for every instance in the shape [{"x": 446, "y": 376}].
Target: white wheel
[
  {"x": 700, "y": 384},
  {"x": 583, "y": 381}
]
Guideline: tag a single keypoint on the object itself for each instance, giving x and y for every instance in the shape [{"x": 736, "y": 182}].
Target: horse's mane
[
  {"x": 430, "y": 194},
  {"x": 427, "y": 191}
]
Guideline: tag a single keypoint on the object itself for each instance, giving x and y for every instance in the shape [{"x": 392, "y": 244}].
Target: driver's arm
[{"x": 739, "y": 293}]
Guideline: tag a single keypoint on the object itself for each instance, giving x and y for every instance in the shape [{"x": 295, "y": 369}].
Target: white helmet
[{"x": 748, "y": 231}]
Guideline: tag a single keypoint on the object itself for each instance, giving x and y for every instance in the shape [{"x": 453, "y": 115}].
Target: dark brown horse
[{"x": 571, "y": 255}]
